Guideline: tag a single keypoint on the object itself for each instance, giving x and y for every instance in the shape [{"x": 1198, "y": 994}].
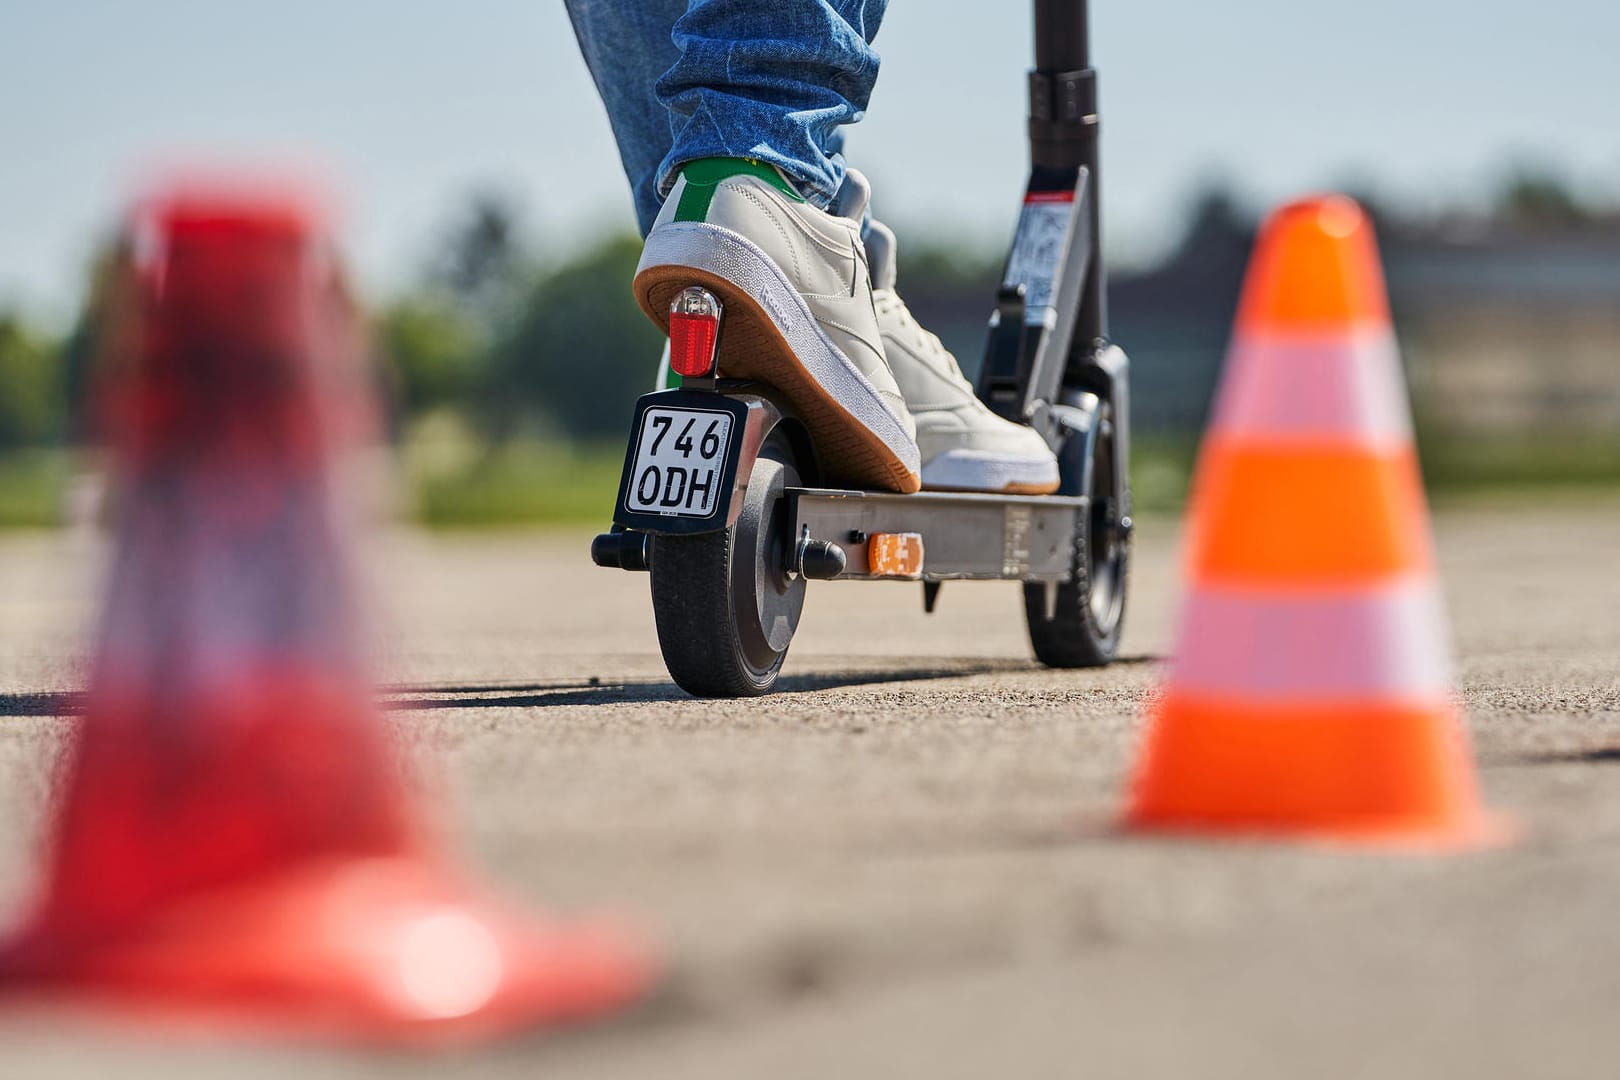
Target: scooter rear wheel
[
  {"x": 725, "y": 607},
  {"x": 1077, "y": 624}
]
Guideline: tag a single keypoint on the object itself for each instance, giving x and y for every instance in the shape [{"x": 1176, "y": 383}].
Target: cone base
[
  {"x": 383, "y": 951},
  {"x": 1484, "y": 832},
  {"x": 1393, "y": 774}
]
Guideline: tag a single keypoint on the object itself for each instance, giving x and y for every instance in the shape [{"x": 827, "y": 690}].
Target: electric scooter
[{"x": 722, "y": 500}]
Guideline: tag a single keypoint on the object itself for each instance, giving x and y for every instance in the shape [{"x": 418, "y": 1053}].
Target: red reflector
[{"x": 692, "y": 340}]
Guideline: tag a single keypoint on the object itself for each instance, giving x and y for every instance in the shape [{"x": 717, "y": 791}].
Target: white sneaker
[
  {"x": 799, "y": 314},
  {"x": 964, "y": 446}
]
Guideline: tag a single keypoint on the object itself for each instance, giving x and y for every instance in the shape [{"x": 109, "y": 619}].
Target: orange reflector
[{"x": 895, "y": 555}]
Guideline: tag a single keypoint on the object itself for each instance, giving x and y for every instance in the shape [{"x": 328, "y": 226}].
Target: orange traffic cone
[
  {"x": 233, "y": 835},
  {"x": 1309, "y": 693}
]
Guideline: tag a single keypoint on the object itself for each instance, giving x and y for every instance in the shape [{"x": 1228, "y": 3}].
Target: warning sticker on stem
[{"x": 1037, "y": 249}]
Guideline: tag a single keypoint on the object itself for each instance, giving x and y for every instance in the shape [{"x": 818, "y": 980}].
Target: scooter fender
[
  {"x": 1107, "y": 378},
  {"x": 1117, "y": 366}
]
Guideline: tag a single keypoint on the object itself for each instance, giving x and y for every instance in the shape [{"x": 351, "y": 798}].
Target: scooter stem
[
  {"x": 1062, "y": 37},
  {"x": 1063, "y": 130}
]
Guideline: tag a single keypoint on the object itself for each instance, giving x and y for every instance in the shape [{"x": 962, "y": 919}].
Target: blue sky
[{"x": 410, "y": 104}]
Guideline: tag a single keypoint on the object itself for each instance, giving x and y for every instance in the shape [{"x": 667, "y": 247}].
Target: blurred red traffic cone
[
  {"x": 1310, "y": 693},
  {"x": 233, "y": 834}
]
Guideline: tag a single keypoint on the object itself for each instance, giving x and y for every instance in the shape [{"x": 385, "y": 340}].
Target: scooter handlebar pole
[
  {"x": 1063, "y": 128},
  {"x": 1062, "y": 36},
  {"x": 1062, "y": 89}
]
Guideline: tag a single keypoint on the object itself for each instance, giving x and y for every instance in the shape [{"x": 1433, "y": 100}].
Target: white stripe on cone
[
  {"x": 1341, "y": 391},
  {"x": 1382, "y": 642}
]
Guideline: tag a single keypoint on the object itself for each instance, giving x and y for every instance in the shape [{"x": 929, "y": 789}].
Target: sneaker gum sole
[{"x": 752, "y": 347}]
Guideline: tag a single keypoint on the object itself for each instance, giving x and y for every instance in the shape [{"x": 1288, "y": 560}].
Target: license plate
[{"x": 679, "y": 462}]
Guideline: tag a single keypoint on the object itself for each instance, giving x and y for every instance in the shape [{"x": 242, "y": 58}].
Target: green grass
[
  {"x": 32, "y": 483},
  {"x": 522, "y": 483},
  {"x": 1481, "y": 466},
  {"x": 457, "y": 483},
  {"x": 539, "y": 483},
  {"x": 1161, "y": 470},
  {"x": 1453, "y": 468}
]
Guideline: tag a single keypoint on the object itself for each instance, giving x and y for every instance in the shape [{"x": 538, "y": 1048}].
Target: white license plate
[{"x": 680, "y": 455}]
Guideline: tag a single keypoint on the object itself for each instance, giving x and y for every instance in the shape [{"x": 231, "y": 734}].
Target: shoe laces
[{"x": 888, "y": 302}]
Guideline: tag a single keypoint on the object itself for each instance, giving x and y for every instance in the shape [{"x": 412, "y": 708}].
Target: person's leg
[
  {"x": 776, "y": 82},
  {"x": 627, "y": 45},
  {"x": 741, "y": 74},
  {"x": 755, "y": 201},
  {"x": 761, "y": 212},
  {"x": 773, "y": 82}
]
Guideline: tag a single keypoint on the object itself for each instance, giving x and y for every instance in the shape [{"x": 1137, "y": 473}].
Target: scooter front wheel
[{"x": 725, "y": 606}]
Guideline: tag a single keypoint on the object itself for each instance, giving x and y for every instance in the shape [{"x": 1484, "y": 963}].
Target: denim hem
[{"x": 689, "y": 79}]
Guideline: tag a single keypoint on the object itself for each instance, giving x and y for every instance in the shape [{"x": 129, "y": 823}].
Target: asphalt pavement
[{"x": 904, "y": 863}]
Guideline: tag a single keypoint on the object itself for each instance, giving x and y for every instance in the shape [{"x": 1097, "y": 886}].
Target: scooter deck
[{"x": 964, "y": 535}]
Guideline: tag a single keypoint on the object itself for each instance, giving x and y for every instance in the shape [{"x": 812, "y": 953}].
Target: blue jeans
[{"x": 767, "y": 79}]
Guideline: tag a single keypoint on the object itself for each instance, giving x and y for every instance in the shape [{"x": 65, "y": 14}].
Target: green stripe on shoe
[{"x": 704, "y": 175}]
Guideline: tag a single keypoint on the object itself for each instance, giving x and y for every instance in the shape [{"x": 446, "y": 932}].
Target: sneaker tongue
[
  {"x": 880, "y": 254},
  {"x": 853, "y": 196}
]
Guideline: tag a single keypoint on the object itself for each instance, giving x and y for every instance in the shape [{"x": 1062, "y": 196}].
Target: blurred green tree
[
  {"x": 484, "y": 266},
  {"x": 30, "y": 387},
  {"x": 1535, "y": 196},
  {"x": 436, "y": 350},
  {"x": 581, "y": 352},
  {"x": 439, "y": 336},
  {"x": 83, "y": 345}
]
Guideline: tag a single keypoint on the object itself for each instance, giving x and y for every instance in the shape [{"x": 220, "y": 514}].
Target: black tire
[
  {"x": 1077, "y": 624},
  {"x": 725, "y": 609}
]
